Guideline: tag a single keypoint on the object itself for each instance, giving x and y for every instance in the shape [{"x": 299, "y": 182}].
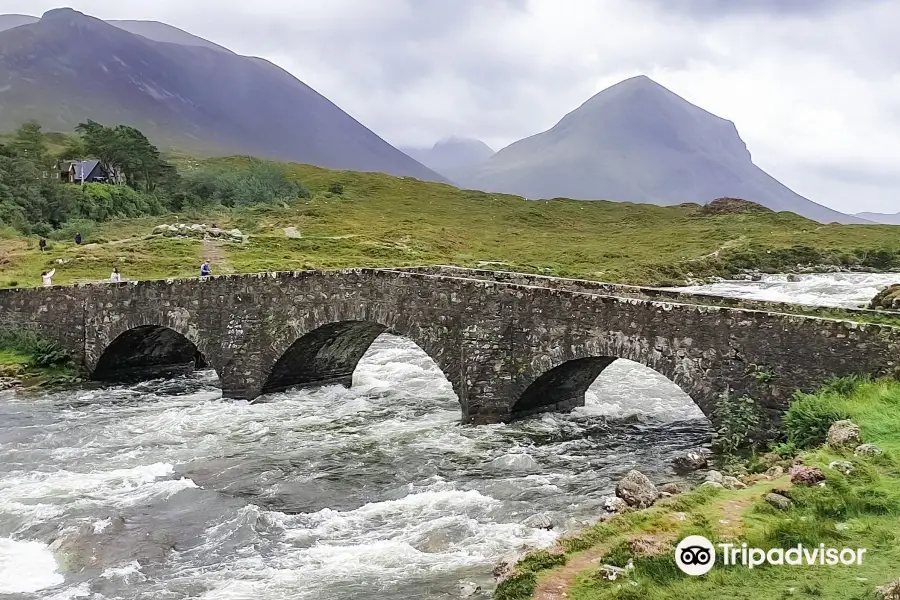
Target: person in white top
[
  {"x": 46, "y": 277},
  {"x": 115, "y": 277}
]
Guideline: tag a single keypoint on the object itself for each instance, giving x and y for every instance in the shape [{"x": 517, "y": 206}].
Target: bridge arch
[
  {"x": 147, "y": 351},
  {"x": 330, "y": 352},
  {"x": 557, "y": 381}
]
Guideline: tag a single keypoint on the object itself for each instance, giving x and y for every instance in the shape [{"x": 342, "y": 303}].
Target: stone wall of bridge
[{"x": 508, "y": 349}]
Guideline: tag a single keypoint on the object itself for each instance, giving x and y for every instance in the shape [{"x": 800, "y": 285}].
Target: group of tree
[{"x": 35, "y": 199}]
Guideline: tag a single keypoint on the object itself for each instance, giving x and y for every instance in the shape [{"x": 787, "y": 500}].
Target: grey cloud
[
  {"x": 713, "y": 9},
  {"x": 418, "y": 70}
]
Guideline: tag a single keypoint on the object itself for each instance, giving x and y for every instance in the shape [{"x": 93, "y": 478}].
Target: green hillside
[{"x": 369, "y": 219}]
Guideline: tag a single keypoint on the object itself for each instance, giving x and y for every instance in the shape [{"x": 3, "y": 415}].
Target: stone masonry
[{"x": 509, "y": 348}]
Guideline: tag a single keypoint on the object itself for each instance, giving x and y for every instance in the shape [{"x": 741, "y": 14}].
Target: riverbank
[
  {"x": 368, "y": 219},
  {"x": 856, "y": 504},
  {"x": 27, "y": 361}
]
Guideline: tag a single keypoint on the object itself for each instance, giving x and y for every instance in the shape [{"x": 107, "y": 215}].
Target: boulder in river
[
  {"x": 843, "y": 433},
  {"x": 692, "y": 460},
  {"x": 669, "y": 488},
  {"x": 515, "y": 462},
  {"x": 637, "y": 490},
  {"x": 467, "y": 589},
  {"x": 539, "y": 521},
  {"x": 7, "y": 383},
  {"x": 614, "y": 504},
  {"x": 887, "y": 299}
]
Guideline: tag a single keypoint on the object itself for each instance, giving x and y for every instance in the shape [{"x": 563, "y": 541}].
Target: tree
[
  {"x": 29, "y": 143},
  {"x": 125, "y": 151},
  {"x": 73, "y": 149}
]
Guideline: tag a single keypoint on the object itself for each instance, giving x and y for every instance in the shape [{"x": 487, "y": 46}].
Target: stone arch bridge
[{"x": 511, "y": 345}]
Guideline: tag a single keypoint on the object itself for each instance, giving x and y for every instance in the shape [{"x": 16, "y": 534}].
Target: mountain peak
[
  {"x": 455, "y": 140},
  {"x": 638, "y": 141},
  {"x": 66, "y": 13}
]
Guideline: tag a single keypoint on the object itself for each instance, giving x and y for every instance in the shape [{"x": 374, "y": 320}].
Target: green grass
[
  {"x": 38, "y": 362},
  {"x": 381, "y": 220},
  {"x": 10, "y": 356},
  {"x": 861, "y": 510}
]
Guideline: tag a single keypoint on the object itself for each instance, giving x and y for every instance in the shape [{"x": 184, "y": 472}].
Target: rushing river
[
  {"x": 164, "y": 490},
  {"x": 847, "y": 290}
]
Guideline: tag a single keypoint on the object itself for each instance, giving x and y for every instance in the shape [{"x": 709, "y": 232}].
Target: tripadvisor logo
[{"x": 696, "y": 555}]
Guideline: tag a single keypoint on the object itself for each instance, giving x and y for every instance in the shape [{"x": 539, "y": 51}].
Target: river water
[{"x": 164, "y": 490}]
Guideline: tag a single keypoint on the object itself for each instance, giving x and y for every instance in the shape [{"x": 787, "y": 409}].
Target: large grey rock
[
  {"x": 775, "y": 472},
  {"x": 890, "y": 591},
  {"x": 715, "y": 477},
  {"x": 842, "y": 434},
  {"x": 515, "y": 462},
  {"x": 778, "y": 501},
  {"x": 467, "y": 589},
  {"x": 733, "y": 483},
  {"x": 841, "y": 466},
  {"x": 614, "y": 504},
  {"x": 806, "y": 475},
  {"x": 669, "y": 488},
  {"x": 539, "y": 521},
  {"x": 868, "y": 450},
  {"x": 692, "y": 460},
  {"x": 637, "y": 490}
]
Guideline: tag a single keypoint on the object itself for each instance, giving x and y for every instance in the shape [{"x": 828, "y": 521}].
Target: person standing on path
[
  {"x": 78, "y": 239},
  {"x": 47, "y": 277},
  {"x": 42, "y": 244},
  {"x": 205, "y": 271},
  {"x": 115, "y": 277}
]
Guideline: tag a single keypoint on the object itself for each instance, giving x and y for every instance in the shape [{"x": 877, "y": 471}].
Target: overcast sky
[{"x": 812, "y": 85}]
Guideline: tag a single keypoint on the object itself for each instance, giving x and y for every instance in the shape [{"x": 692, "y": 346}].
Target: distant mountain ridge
[
  {"x": 183, "y": 91},
  {"x": 10, "y": 21},
  {"x": 452, "y": 156},
  {"x": 883, "y": 218},
  {"x": 639, "y": 142}
]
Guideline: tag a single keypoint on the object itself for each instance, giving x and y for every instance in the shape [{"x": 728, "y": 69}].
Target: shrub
[
  {"x": 102, "y": 202},
  {"x": 336, "y": 188},
  {"x": 8, "y": 233},
  {"x": 42, "y": 229},
  {"x": 845, "y": 386},
  {"x": 737, "y": 419},
  {"x": 260, "y": 182},
  {"x": 43, "y": 353},
  {"x": 843, "y": 499},
  {"x": 67, "y": 232},
  {"x": 809, "y": 417}
]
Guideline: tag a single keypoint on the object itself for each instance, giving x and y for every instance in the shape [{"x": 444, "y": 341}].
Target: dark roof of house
[{"x": 84, "y": 168}]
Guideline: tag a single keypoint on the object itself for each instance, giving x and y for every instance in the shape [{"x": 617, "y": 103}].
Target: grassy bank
[
  {"x": 33, "y": 361},
  {"x": 368, "y": 219},
  {"x": 859, "y": 510}
]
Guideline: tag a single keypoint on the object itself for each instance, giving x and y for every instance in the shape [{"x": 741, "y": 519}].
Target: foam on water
[
  {"x": 26, "y": 567},
  {"x": 847, "y": 290},
  {"x": 165, "y": 490}
]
